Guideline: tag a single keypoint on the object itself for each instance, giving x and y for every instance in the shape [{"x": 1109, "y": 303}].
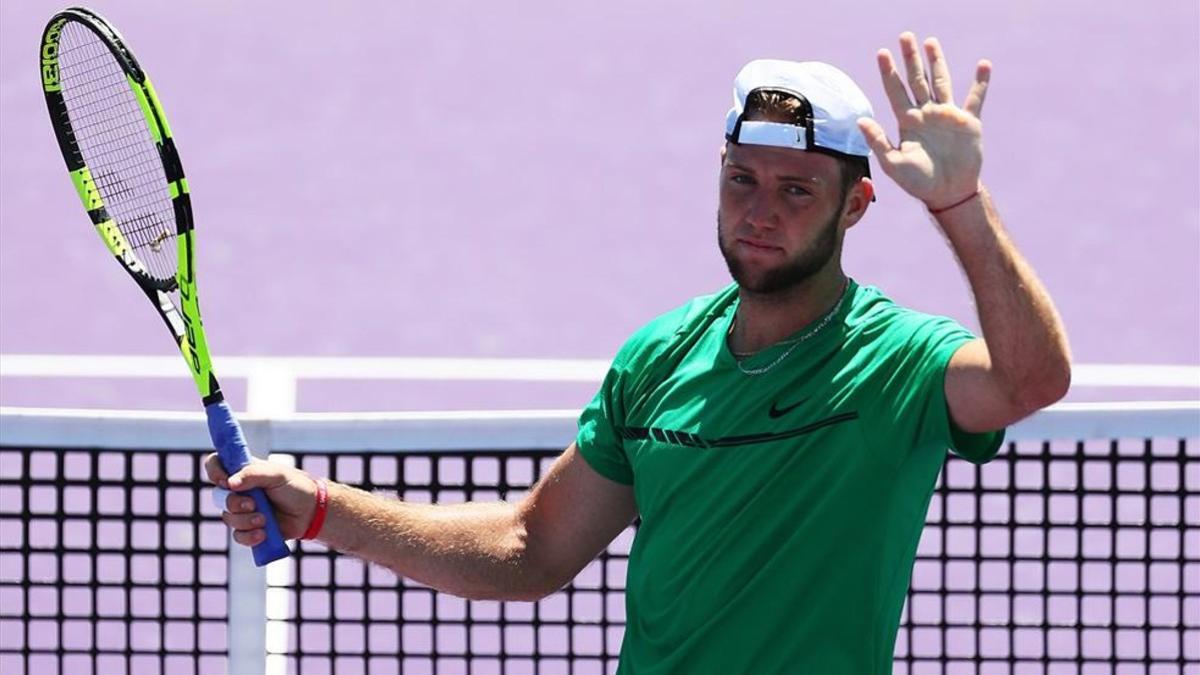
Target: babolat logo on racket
[
  {"x": 191, "y": 350},
  {"x": 186, "y": 283},
  {"x": 50, "y": 56}
]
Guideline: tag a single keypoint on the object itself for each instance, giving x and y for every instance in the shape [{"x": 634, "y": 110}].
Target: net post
[
  {"x": 247, "y": 607},
  {"x": 270, "y": 389},
  {"x": 246, "y": 625}
]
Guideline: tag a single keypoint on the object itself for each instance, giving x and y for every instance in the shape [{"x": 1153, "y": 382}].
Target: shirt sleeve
[
  {"x": 598, "y": 438},
  {"x": 919, "y": 389},
  {"x": 977, "y": 447}
]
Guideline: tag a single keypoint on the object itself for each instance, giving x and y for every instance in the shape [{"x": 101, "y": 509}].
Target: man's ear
[
  {"x": 724, "y": 148},
  {"x": 858, "y": 199}
]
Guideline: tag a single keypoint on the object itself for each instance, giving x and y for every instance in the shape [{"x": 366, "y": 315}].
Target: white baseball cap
[{"x": 830, "y": 106}]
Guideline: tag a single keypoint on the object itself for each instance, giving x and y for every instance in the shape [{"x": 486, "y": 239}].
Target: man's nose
[{"x": 763, "y": 212}]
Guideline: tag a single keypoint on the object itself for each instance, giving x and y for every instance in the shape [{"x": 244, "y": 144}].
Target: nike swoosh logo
[{"x": 775, "y": 412}]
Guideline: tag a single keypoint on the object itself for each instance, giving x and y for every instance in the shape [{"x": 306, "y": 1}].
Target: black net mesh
[
  {"x": 113, "y": 136},
  {"x": 1053, "y": 558},
  {"x": 344, "y": 616},
  {"x": 1060, "y": 557},
  {"x": 110, "y": 561}
]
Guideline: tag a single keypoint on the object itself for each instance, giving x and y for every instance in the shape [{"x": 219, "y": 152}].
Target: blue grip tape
[{"x": 231, "y": 448}]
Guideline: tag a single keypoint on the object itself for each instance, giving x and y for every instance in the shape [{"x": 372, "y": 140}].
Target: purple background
[{"x": 441, "y": 179}]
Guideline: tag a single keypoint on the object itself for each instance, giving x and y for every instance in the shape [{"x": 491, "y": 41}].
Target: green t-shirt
[{"x": 780, "y": 512}]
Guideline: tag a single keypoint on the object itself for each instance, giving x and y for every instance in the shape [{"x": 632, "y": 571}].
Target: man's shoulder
[
  {"x": 884, "y": 321},
  {"x": 683, "y": 321},
  {"x": 873, "y": 308}
]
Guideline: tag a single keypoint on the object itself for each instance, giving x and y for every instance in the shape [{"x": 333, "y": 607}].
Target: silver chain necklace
[{"x": 795, "y": 342}]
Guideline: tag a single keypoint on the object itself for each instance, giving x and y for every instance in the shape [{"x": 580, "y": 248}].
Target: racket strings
[
  {"x": 100, "y": 75},
  {"x": 113, "y": 149},
  {"x": 112, "y": 135},
  {"x": 98, "y": 108},
  {"x": 118, "y": 150}
]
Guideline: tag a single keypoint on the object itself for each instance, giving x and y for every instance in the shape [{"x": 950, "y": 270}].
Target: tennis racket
[{"x": 122, "y": 159}]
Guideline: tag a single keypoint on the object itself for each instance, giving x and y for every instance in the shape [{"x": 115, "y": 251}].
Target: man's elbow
[
  {"x": 507, "y": 594},
  {"x": 540, "y": 579},
  {"x": 1048, "y": 387},
  {"x": 521, "y": 584},
  {"x": 531, "y": 579},
  {"x": 536, "y": 592},
  {"x": 533, "y": 575},
  {"x": 531, "y": 585}
]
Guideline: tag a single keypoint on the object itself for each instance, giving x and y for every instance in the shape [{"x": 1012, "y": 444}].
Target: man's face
[{"x": 779, "y": 221}]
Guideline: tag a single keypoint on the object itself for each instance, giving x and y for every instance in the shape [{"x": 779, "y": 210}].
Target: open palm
[{"x": 940, "y": 153}]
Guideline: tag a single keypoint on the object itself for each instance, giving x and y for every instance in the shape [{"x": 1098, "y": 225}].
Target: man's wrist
[
  {"x": 321, "y": 510},
  {"x": 347, "y": 521},
  {"x": 937, "y": 210}
]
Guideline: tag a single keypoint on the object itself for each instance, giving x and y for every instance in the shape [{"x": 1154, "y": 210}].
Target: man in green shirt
[{"x": 779, "y": 439}]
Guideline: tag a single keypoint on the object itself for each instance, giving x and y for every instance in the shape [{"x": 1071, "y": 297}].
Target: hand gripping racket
[{"x": 121, "y": 157}]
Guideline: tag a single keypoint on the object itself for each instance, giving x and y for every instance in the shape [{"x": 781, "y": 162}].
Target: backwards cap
[{"x": 830, "y": 105}]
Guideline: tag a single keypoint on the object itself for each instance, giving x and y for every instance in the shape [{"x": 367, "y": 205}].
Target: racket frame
[{"x": 184, "y": 321}]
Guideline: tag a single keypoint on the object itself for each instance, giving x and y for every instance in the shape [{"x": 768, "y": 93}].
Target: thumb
[
  {"x": 257, "y": 474},
  {"x": 876, "y": 138}
]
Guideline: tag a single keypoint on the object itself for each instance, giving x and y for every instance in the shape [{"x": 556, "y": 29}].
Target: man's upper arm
[
  {"x": 978, "y": 399},
  {"x": 571, "y": 515}
]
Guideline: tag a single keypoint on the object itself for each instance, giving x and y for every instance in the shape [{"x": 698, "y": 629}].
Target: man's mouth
[{"x": 758, "y": 245}]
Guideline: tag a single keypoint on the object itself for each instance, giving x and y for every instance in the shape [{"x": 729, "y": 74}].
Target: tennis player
[{"x": 779, "y": 439}]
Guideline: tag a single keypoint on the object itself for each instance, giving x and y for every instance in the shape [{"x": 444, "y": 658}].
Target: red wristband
[
  {"x": 956, "y": 204},
  {"x": 318, "y": 519}
]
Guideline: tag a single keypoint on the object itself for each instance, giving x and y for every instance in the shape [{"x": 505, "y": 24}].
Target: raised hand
[{"x": 940, "y": 153}]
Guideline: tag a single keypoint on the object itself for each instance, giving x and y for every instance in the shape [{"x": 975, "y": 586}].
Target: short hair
[{"x": 780, "y": 106}]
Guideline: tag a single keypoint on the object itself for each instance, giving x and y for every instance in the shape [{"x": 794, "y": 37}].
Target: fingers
[
  {"x": 939, "y": 72},
  {"x": 239, "y": 522},
  {"x": 249, "y": 537},
  {"x": 935, "y": 87},
  {"x": 216, "y": 472},
  {"x": 974, "y": 102},
  {"x": 236, "y": 503},
  {"x": 246, "y": 524},
  {"x": 917, "y": 81},
  {"x": 893, "y": 85}
]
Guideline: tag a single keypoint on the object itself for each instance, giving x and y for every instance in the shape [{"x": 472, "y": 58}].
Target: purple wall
[{"x": 414, "y": 179}]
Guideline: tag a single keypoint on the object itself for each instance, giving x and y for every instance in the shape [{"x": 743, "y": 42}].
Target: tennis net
[{"x": 1076, "y": 550}]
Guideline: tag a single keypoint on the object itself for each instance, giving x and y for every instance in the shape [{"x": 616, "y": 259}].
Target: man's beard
[{"x": 792, "y": 273}]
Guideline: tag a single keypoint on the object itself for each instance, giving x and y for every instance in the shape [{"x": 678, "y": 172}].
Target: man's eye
[
  {"x": 741, "y": 179},
  {"x": 796, "y": 190}
]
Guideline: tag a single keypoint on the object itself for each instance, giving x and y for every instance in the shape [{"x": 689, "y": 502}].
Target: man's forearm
[
  {"x": 1025, "y": 336},
  {"x": 472, "y": 550}
]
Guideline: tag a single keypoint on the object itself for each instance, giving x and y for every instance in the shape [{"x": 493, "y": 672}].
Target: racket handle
[{"x": 231, "y": 448}]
